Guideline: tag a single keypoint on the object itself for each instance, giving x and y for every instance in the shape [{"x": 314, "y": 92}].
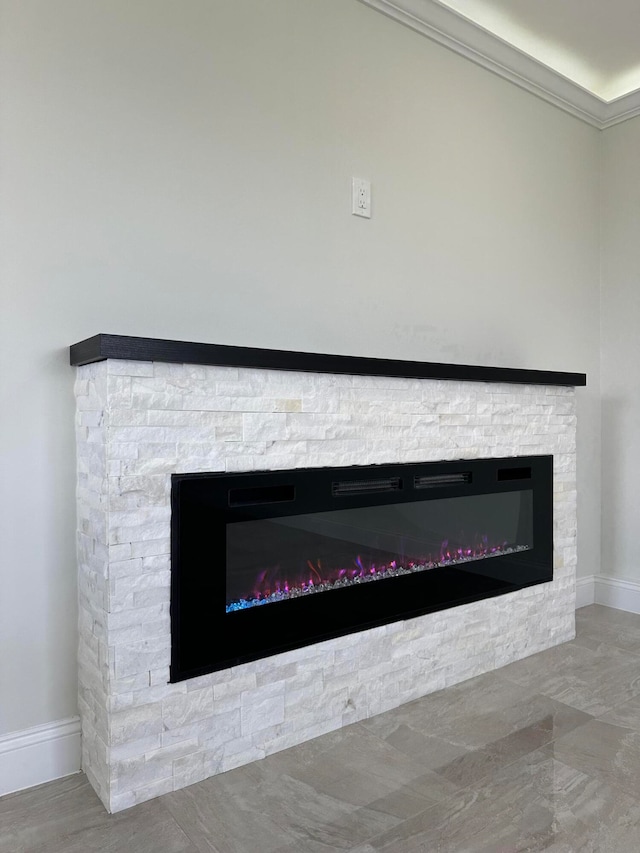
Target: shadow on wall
[{"x": 615, "y": 472}]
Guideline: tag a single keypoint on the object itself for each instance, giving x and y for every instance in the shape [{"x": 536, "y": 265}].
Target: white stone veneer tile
[{"x": 140, "y": 422}]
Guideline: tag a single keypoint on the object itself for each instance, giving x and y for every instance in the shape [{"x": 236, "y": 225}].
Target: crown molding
[
  {"x": 621, "y": 109},
  {"x": 450, "y": 29}
]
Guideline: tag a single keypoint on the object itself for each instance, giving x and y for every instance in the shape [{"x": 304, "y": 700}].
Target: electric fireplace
[
  {"x": 149, "y": 409},
  {"x": 265, "y": 562}
]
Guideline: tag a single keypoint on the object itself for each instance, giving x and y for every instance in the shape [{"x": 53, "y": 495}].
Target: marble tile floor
[{"x": 543, "y": 754}]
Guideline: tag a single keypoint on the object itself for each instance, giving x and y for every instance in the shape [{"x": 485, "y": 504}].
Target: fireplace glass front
[{"x": 265, "y": 562}]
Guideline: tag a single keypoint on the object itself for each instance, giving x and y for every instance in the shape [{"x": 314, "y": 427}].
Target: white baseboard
[
  {"x": 610, "y": 592},
  {"x": 40, "y": 754},
  {"x": 620, "y": 594},
  {"x": 585, "y": 591}
]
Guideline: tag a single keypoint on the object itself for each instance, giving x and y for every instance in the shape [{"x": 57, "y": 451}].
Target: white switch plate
[{"x": 361, "y": 197}]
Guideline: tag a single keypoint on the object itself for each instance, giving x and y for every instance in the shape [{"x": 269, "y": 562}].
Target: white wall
[
  {"x": 621, "y": 351},
  {"x": 183, "y": 170}
]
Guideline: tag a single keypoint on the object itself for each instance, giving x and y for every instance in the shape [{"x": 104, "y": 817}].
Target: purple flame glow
[{"x": 270, "y": 586}]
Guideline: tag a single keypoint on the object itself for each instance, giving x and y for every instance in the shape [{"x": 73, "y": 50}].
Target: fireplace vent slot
[
  {"x": 261, "y": 495},
  {"x": 360, "y": 487},
  {"x": 430, "y": 481},
  {"x": 514, "y": 474}
]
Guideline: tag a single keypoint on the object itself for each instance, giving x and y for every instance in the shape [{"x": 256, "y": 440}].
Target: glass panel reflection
[{"x": 281, "y": 558}]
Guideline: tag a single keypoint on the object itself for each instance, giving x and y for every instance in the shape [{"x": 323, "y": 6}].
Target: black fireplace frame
[{"x": 204, "y": 638}]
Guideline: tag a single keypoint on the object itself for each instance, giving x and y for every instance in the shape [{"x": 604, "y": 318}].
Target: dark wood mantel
[{"x": 101, "y": 347}]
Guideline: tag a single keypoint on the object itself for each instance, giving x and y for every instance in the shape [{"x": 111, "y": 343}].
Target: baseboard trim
[
  {"x": 585, "y": 591},
  {"x": 616, "y": 593},
  {"x": 610, "y": 592},
  {"x": 40, "y": 754}
]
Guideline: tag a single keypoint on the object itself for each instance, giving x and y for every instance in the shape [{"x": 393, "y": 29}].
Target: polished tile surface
[{"x": 543, "y": 754}]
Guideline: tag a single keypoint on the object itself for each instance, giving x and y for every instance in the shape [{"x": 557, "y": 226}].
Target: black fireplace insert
[{"x": 264, "y": 562}]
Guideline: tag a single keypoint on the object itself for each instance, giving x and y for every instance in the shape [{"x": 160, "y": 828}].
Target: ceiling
[{"x": 581, "y": 55}]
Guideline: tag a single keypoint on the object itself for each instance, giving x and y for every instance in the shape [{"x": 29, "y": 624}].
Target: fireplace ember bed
[{"x": 266, "y": 562}]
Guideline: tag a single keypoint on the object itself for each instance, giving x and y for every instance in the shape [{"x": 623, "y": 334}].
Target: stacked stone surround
[{"x": 139, "y": 422}]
